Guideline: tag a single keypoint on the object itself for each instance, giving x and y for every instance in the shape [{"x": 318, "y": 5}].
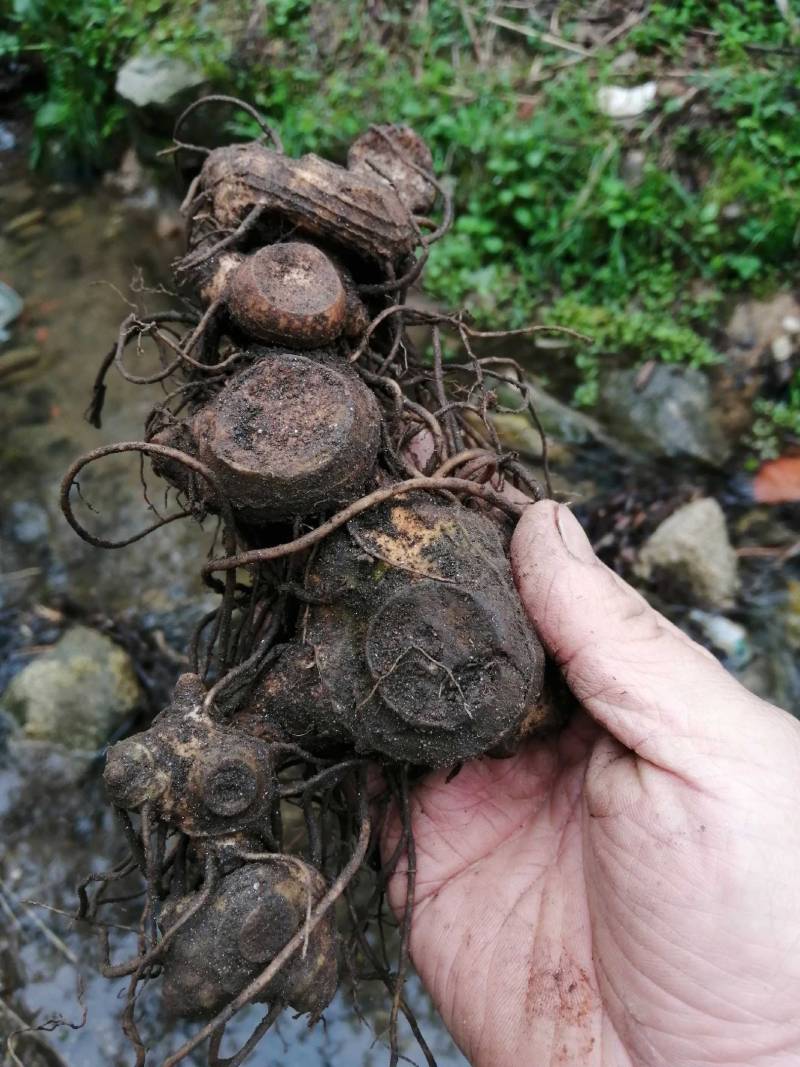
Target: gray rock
[
  {"x": 633, "y": 164},
  {"x": 671, "y": 415},
  {"x": 160, "y": 81},
  {"x": 21, "y": 363},
  {"x": 692, "y": 553},
  {"x": 29, "y": 522},
  {"x": 562, "y": 423},
  {"x": 77, "y": 693},
  {"x": 792, "y": 615},
  {"x": 8, "y": 139},
  {"x": 517, "y": 432},
  {"x": 10, "y": 309}
]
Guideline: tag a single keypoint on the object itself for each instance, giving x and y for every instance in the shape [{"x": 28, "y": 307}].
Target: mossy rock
[{"x": 77, "y": 694}]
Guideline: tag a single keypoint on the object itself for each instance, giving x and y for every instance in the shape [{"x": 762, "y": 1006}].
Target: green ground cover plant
[{"x": 640, "y": 233}]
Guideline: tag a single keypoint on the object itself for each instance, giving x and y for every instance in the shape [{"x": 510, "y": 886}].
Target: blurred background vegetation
[{"x": 642, "y": 233}]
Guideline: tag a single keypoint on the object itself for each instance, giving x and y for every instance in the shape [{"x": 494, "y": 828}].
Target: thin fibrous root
[{"x": 443, "y": 485}]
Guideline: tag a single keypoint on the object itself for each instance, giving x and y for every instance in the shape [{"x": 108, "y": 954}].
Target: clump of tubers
[{"x": 366, "y": 613}]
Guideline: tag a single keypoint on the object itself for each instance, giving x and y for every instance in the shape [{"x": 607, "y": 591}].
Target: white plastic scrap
[{"x": 626, "y": 102}]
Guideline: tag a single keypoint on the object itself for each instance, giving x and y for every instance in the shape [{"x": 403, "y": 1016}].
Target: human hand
[{"x": 628, "y": 892}]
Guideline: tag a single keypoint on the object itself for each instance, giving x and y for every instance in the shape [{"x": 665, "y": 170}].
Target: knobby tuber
[
  {"x": 421, "y": 649},
  {"x": 288, "y": 435},
  {"x": 245, "y": 922},
  {"x": 366, "y": 610}
]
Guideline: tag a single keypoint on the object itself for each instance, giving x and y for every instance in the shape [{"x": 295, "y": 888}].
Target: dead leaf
[{"x": 778, "y": 481}]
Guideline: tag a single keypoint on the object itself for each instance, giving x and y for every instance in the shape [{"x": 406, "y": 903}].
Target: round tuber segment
[
  {"x": 247, "y": 920},
  {"x": 290, "y": 436},
  {"x": 287, "y": 294},
  {"x": 206, "y": 779},
  {"x": 419, "y": 649}
]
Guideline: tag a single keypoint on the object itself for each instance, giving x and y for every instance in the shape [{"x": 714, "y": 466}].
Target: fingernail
[{"x": 571, "y": 532}]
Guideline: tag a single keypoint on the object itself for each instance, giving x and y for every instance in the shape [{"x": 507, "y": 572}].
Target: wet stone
[
  {"x": 671, "y": 415},
  {"x": 690, "y": 556},
  {"x": 29, "y": 522},
  {"x": 77, "y": 693},
  {"x": 11, "y": 305},
  {"x": 157, "y": 81},
  {"x": 24, "y": 221}
]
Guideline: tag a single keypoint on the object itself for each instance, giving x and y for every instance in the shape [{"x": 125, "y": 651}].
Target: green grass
[
  {"x": 776, "y": 419},
  {"x": 79, "y": 121},
  {"x": 549, "y": 220}
]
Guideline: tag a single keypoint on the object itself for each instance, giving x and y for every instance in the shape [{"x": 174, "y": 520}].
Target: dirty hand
[{"x": 627, "y": 893}]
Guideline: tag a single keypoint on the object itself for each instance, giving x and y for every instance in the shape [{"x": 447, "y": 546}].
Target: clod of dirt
[
  {"x": 372, "y": 154},
  {"x": 238, "y": 930},
  {"x": 199, "y": 777},
  {"x": 289, "y": 294},
  {"x": 289, "y": 436},
  {"x": 421, "y": 650}
]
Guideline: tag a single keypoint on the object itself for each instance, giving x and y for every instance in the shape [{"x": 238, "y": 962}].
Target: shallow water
[{"x": 73, "y": 262}]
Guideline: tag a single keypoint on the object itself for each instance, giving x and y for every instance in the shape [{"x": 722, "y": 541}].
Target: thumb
[{"x": 653, "y": 688}]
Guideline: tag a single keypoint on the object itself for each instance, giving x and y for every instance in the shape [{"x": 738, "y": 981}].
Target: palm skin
[{"x": 627, "y": 893}]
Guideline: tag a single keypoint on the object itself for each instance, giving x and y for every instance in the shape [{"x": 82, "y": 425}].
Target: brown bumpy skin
[
  {"x": 372, "y": 155},
  {"x": 351, "y": 210},
  {"x": 252, "y": 914},
  {"x": 288, "y": 294},
  {"x": 290, "y": 436},
  {"x": 424, "y": 653},
  {"x": 202, "y": 778}
]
